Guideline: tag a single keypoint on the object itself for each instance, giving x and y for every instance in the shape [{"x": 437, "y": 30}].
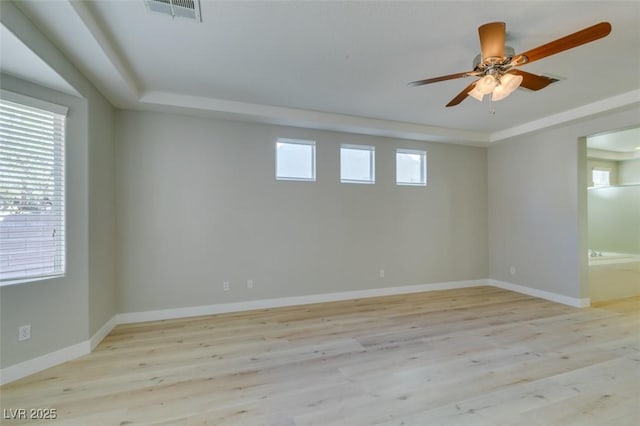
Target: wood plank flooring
[{"x": 477, "y": 356}]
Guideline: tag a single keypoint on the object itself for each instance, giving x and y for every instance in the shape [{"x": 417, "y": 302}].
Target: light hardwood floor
[{"x": 478, "y": 356}]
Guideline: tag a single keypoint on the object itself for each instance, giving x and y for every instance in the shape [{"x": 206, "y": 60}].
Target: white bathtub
[
  {"x": 608, "y": 258},
  {"x": 613, "y": 276}
]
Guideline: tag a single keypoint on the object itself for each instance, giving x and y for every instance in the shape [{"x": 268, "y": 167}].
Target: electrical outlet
[
  {"x": 249, "y": 283},
  {"x": 225, "y": 286},
  {"x": 512, "y": 270},
  {"x": 381, "y": 273},
  {"x": 24, "y": 332}
]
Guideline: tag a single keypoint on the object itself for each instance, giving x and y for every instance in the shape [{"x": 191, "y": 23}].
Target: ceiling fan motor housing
[{"x": 509, "y": 52}]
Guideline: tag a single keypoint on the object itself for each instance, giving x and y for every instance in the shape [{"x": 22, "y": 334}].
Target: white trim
[
  {"x": 222, "y": 308},
  {"x": 376, "y": 127},
  {"x": 103, "y": 332},
  {"x": 370, "y": 126},
  {"x": 588, "y": 110},
  {"x": 35, "y": 365},
  {"x": 307, "y": 119},
  {"x": 32, "y": 366},
  {"x": 30, "y": 279},
  {"x": 423, "y": 154},
  {"x": 601, "y": 154},
  {"x": 303, "y": 142},
  {"x": 51, "y": 359},
  {"x": 584, "y": 302},
  {"x": 34, "y": 102},
  {"x": 372, "y": 162}
]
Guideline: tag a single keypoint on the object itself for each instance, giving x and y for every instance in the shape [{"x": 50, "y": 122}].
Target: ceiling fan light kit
[
  {"x": 508, "y": 83},
  {"x": 483, "y": 86},
  {"x": 496, "y": 64}
]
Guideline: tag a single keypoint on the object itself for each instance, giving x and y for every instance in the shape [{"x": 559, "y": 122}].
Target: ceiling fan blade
[
  {"x": 533, "y": 81},
  {"x": 492, "y": 39},
  {"x": 442, "y": 78},
  {"x": 461, "y": 96},
  {"x": 576, "y": 39}
]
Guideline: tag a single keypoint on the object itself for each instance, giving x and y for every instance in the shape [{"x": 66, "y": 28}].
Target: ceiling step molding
[{"x": 595, "y": 108}]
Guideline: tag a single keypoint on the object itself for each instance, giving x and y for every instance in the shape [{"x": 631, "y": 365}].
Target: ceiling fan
[{"x": 496, "y": 64}]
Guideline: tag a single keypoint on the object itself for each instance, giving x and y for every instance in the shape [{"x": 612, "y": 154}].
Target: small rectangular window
[
  {"x": 32, "y": 195},
  {"x": 357, "y": 164},
  {"x": 295, "y": 159},
  {"x": 411, "y": 167},
  {"x": 601, "y": 177}
]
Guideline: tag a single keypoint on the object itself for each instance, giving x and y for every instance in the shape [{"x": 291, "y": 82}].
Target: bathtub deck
[
  {"x": 614, "y": 277},
  {"x": 477, "y": 356}
]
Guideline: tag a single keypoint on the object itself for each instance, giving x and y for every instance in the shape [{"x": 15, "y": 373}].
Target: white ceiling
[
  {"x": 627, "y": 140},
  {"x": 346, "y": 65},
  {"x": 18, "y": 60}
]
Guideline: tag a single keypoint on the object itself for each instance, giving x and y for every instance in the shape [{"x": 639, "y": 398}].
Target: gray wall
[
  {"x": 198, "y": 204},
  {"x": 102, "y": 215},
  {"x": 629, "y": 172},
  {"x": 614, "y": 219},
  {"x": 57, "y": 309},
  {"x": 537, "y": 205},
  {"x": 67, "y": 310}
]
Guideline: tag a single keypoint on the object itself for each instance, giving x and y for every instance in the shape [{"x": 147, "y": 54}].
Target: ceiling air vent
[{"x": 183, "y": 8}]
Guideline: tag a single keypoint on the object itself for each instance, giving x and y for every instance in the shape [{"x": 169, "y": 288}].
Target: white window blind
[{"x": 32, "y": 199}]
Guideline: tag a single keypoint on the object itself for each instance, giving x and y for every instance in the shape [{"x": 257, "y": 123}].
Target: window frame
[
  {"x": 305, "y": 142},
  {"x": 423, "y": 154},
  {"x": 59, "y": 115},
  {"x": 372, "y": 163},
  {"x": 601, "y": 169}
]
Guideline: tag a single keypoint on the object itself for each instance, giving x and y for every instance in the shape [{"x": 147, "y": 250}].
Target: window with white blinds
[{"x": 32, "y": 199}]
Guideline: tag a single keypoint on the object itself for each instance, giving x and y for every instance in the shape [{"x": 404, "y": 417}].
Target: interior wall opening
[{"x": 613, "y": 211}]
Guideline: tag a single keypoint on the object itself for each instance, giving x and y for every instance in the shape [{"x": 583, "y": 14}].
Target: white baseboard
[
  {"x": 280, "y": 302},
  {"x": 35, "y": 365},
  {"x": 542, "y": 294},
  {"x": 26, "y": 368},
  {"x": 51, "y": 359},
  {"x": 102, "y": 333}
]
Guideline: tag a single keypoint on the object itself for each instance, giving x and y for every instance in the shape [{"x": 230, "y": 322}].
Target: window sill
[{"x": 29, "y": 280}]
